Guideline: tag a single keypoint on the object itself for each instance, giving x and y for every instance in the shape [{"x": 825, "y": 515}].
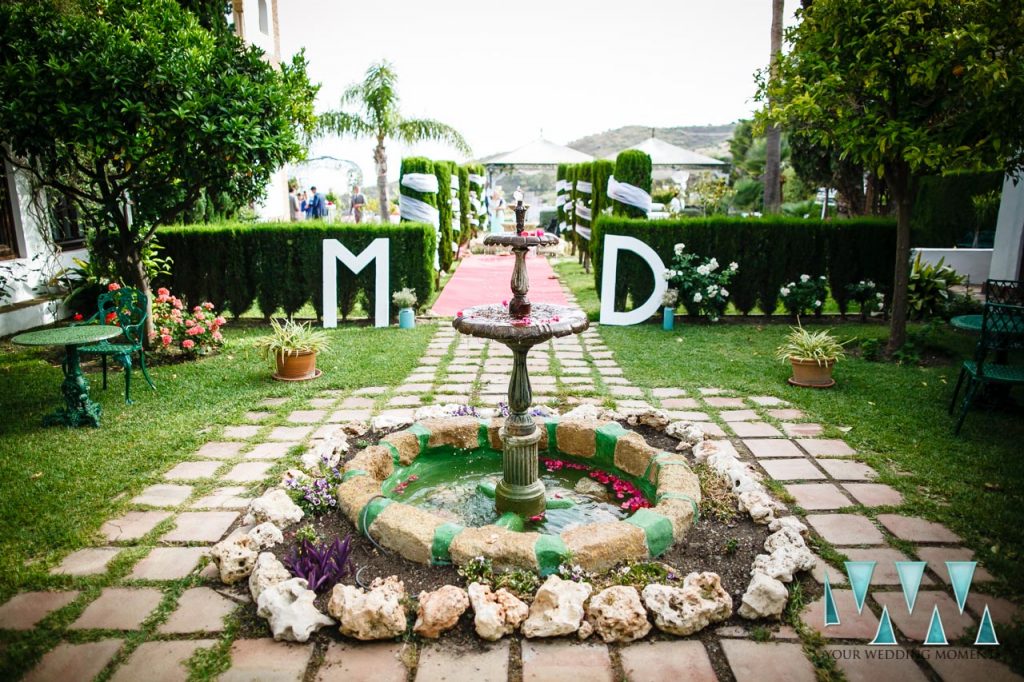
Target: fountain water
[{"x": 521, "y": 326}]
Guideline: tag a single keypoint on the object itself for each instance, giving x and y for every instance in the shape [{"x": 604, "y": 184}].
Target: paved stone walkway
[{"x": 162, "y": 604}]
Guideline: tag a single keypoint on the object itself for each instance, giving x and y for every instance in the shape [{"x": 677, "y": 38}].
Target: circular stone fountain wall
[{"x": 376, "y": 477}]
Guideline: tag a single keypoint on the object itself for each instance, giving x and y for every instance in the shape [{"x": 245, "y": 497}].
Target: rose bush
[
  {"x": 700, "y": 282},
  {"x": 196, "y": 332},
  {"x": 806, "y": 294}
]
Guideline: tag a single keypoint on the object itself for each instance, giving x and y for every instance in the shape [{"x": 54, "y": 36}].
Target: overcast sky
[{"x": 567, "y": 68}]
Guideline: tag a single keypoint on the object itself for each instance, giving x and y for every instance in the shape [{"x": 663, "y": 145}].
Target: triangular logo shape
[
  {"x": 961, "y": 573},
  {"x": 831, "y": 612},
  {"x": 859, "y": 573},
  {"x": 936, "y": 635},
  {"x": 986, "y": 631},
  {"x": 884, "y": 636},
  {"x": 910, "y": 573}
]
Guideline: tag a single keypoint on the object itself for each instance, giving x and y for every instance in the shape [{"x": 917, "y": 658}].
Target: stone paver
[
  {"x": 75, "y": 662},
  {"x": 806, "y": 430},
  {"x": 955, "y": 664},
  {"x": 862, "y": 664},
  {"x": 163, "y": 495},
  {"x": 767, "y": 661},
  {"x": 916, "y": 529},
  {"x": 248, "y": 472},
  {"x": 160, "y": 661},
  {"x": 938, "y": 556},
  {"x": 874, "y": 494},
  {"x": 404, "y": 401},
  {"x": 307, "y": 416},
  {"x": 755, "y": 430},
  {"x": 290, "y": 432},
  {"x": 192, "y": 471},
  {"x": 791, "y": 469},
  {"x": 23, "y": 611},
  {"x": 826, "y": 447},
  {"x": 221, "y": 449},
  {"x": 785, "y": 413},
  {"x": 119, "y": 608},
  {"x": 772, "y": 447},
  {"x": 88, "y": 561},
  {"x": 885, "y": 566},
  {"x": 272, "y": 402},
  {"x": 339, "y": 416},
  {"x": 852, "y": 625},
  {"x": 715, "y": 401},
  {"x": 439, "y": 663},
  {"x": 356, "y": 402},
  {"x": 712, "y": 430},
  {"x": 199, "y": 609},
  {"x": 274, "y": 450},
  {"x": 668, "y": 392},
  {"x": 243, "y": 432},
  {"x": 846, "y": 529},
  {"x": 915, "y": 626},
  {"x": 413, "y": 387},
  {"x": 817, "y": 496},
  {"x": 560, "y": 661},
  {"x": 257, "y": 416},
  {"x": 766, "y": 400},
  {"x": 678, "y": 661},
  {"x": 267, "y": 661},
  {"x": 1003, "y": 611},
  {"x": 223, "y": 498},
  {"x": 847, "y": 470},
  {"x": 203, "y": 526},
  {"x": 362, "y": 662},
  {"x": 739, "y": 415},
  {"x": 167, "y": 563},
  {"x": 372, "y": 390},
  {"x": 835, "y": 575},
  {"x": 321, "y": 403},
  {"x": 133, "y": 525}
]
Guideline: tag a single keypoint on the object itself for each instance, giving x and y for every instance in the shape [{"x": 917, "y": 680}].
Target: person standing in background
[
  {"x": 303, "y": 206},
  {"x": 317, "y": 205},
  {"x": 358, "y": 204},
  {"x": 294, "y": 212}
]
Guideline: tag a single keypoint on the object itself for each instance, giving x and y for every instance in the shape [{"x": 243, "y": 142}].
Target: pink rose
[
  {"x": 200, "y": 316},
  {"x": 113, "y": 286},
  {"x": 208, "y": 305},
  {"x": 217, "y": 336},
  {"x": 188, "y": 344},
  {"x": 190, "y": 322},
  {"x": 176, "y": 303},
  {"x": 163, "y": 291},
  {"x": 220, "y": 321},
  {"x": 165, "y": 339}
]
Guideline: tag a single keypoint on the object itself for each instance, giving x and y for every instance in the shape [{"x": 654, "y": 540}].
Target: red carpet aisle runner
[{"x": 485, "y": 279}]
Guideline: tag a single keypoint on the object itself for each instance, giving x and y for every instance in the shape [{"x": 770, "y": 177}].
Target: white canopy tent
[
  {"x": 666, "y": 155},
  {"x": 540, "y": 154}
]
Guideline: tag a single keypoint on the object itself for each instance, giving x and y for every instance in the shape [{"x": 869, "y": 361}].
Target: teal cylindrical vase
[
  {"x": 668, "y": 319},
  {"x": 406, "y": 318}
]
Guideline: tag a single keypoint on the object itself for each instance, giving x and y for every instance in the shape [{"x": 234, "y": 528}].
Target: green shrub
[
  {"x": 632, "y": 167},
  {"x": 928, "y": 288},
  {"x": 443, "y": 173},
  {"x": 944, "y": 211},
  {"x": 478, "y": 217},
  {"x": 418, "y": 164},
  {"x": 561, "y": 175},
  {"x": 584, "y": 174},
  {"x": 280, "y": 264},
  {"x": 771, "y": 251},
  {"x": 465, "y": 206}
]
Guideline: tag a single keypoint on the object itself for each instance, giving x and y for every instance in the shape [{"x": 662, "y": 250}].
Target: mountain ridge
[{"x": 712, "y": 140}]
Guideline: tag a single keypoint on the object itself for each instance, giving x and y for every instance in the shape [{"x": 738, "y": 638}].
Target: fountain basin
[{"x": 417, "y": 518}]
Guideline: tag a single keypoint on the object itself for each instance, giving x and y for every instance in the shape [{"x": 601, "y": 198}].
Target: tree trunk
[
  {"x": 380, "y": 159},
  {"x": 899, "y": 181},
  {"x": 135, "y": 273},
  {"x": 773, "y": 147}
]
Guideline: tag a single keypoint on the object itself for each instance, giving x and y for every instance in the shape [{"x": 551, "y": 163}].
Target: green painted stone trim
[
  {"x": 659, "y": 459},
  {"x": 443, "y": 536},
  {"x": 488, "y": 488},
  {"x": 370, "y": 513},
  {"x": 483, "y": 434},
  {"x": 605, "y": 439},
  {"x": 668, "y": 495},
  {"x": 550, "y": 552},
  {"x": 348, "y": 475},
  {"x": 657, "y": 528},
  {"x": 551, "y": 424},
  {"x": 394, "y": 451},
  {"x": 560, "y": 503},
  {"x": 422, "y": 434},
  {"x": 510, "y": 521}
]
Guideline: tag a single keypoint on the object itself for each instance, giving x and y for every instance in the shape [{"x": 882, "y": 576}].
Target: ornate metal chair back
[{"x": 127, "y": 308}]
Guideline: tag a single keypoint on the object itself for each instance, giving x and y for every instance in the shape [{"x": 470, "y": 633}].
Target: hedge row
[
  {"x": 279, "y": 265},
  {"x": 443, "y": 173},
  {"x": 466, "y": 213},
  {"x": 770, "y": 252},
  {"x": 632, "y": 167}
]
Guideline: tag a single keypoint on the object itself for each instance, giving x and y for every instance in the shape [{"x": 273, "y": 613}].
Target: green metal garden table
[
  {"x": 968, "y": 323},
  {"x": 78, "y": 410}
]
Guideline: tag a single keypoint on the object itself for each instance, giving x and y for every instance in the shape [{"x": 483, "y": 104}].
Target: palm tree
[
  {"x": 772, "y": 166},
  {"x": 376, "y": 98}
]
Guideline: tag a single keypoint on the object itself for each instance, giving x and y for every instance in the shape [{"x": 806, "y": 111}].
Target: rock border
[{"x": 423, "y": 537}]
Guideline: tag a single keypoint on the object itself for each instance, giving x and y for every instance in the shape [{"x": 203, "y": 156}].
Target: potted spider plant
[
  {"x": 812, "y": 356},
  {"x": 405, "y": 301},
  {"x": 293, "y": 346}
]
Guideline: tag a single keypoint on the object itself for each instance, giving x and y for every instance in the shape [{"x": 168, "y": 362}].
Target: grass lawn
[
  {"x": 59, "y": 484},
  {"x": 897, "y": 417}
]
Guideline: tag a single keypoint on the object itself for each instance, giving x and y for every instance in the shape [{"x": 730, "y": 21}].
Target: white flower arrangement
[
  {"x": 678, "y": 248},
  {"x": 697, "y": 297},
  {"x": 804, "y": 278}
]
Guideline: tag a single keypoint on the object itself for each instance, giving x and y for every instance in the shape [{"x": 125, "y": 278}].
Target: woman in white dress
[{"x": 497, "y": 211}]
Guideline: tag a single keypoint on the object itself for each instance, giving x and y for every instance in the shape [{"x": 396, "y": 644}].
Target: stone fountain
[{"x": 520, "y": 326}]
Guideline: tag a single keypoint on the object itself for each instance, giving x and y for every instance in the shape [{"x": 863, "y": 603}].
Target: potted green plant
[
  {"x": 293, "y": 346},
  {"x": 812, "y": 356},
  {"x": 405, "y": 301},
  {"x": 669, "y": 300}
]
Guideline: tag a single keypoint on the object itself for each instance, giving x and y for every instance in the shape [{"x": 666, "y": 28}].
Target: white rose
[
  {"x": 804, "y": 278},
  {"x": 678, "y": 248},
  {"x": 712, "y": 289},
  {"x": 712, "y": 265},
  {"x": 822, "y": 278},
  {"x": 734, "y": 266},
  {"x": 862, "y": 282},
  {"x": 880, "y": 296},
  {"x": 784, "y": 291},
  {"x": 725, "y": 293},
  {"x": 817, "y": 304},
  {"x": 703, "y": 270},
  {"x": 668, "y": 274},
  {"x": 697, "y": 298}
]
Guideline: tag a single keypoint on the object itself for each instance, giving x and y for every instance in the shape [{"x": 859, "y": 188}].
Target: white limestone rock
[
  {"x": 584, "y": 411},
  {"x": 265, "y": 536},
  {"x": 288, "y": 606},
  {"x": 557, "y": 609},
  {"x": 652, "y": 417},
  {"x": 235, "y": 558},
  {"x": 388, "y": 422},
  {"x": 617, "y": 614},
  {"x": 685, "y": 610},
  {"x": 765, "y": 598},
  {"x": 267, "y": 572},
  {"x": 687, "y": 432},
  {"x": 788, "y": 555},
  {"x": 440, "y": 610},
  {"x": 759, "y": 505},
  {"x": 790, "y": 522},
  {"x": 368, "y": 615},
  {"x": 496, "y": 614},
  {"x": 274, "y": 506}
]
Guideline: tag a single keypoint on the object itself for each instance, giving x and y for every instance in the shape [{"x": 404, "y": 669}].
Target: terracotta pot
[
  {"x": 810, "y": 373},
  {"x": 296, "y": 366}
]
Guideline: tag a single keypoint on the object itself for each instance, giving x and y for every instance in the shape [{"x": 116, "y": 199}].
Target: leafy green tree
[
  {"x": 906, "y": 88},
  {"x": 136, "y": 112},
  {"x": 379, "y": 117}
]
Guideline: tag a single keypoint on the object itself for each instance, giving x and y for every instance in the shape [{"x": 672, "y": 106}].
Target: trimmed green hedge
[
  {"x": 770, "y": 252},
  {"x": 478, "y": 220},
  {"x": 465, "y": 207},
  {"x": 279, "y": 265},
  {"x": 561, "y": 174},
  {"x": 417, "y": 164},
  {"x": 443, "y": 173},
  {"x": 633, "y": 167}
]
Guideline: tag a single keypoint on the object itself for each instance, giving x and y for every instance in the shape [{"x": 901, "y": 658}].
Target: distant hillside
[{"x": 709, "y": 140}]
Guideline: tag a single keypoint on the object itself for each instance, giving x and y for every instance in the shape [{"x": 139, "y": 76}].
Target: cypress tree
[
  {"x": 417, "y": 164},
  {"x": 632, "y": 167}
]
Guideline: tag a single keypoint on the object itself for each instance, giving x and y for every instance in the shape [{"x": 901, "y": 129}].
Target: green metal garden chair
[
  {"x": 1002, "y": 330},
  {"x": 127, "y": 308}
]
